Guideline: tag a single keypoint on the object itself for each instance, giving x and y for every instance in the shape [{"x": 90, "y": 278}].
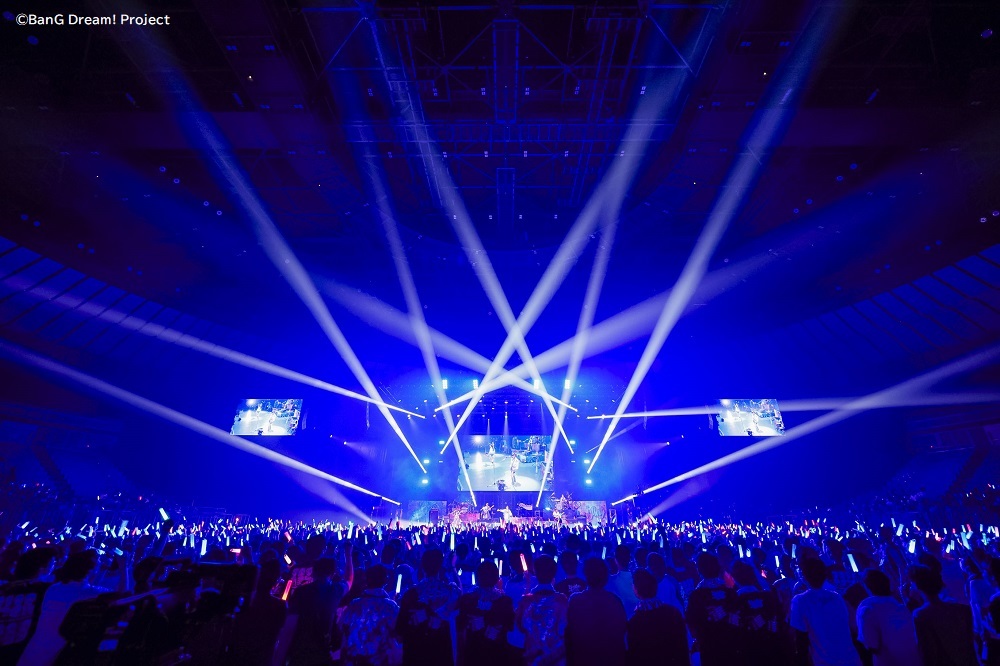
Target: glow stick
[
  {"x": 399, "y": 583},
  {"x": 288, "y": 589},
  {"x": 854, "y": 565},
  {"x": 163, "y": 514},
  {"x": 204, "y": 547},
  {"x": 524, "y": 563},
  {"x": 288, "y": 560}
]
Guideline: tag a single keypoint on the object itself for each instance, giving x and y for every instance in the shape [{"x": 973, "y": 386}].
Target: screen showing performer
[
  {"x": 750, "y": 418},
  {"x": 512, "y": 462},
  {"x": 267, "y": 417}
]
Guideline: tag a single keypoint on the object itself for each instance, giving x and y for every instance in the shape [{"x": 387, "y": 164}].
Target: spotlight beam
[
  {"x": 439, "y": 180},
  {"x": 824, "y": 404},
  {"x": 594, "y": 285},
  {"x": 181, "y": 339},
  {"x": 203, "y": 130},
  {"x": 606, "y": 198},
  {"x": 413, "y": 304},
  {"x": 766, "y": 129},
  {"x": 626, "y": 326},
  {"x": 894, "y": 394},
  {"x": 24, "y": 357},
  {"x": 284, "y": 259},
  {"x": 396, "y": 323}
]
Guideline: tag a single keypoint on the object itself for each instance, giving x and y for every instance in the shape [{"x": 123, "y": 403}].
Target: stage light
[
  {"x": 537, "y": 384},
  {"x": 566, "y": 384},
  {"x": 767, "y": 127},
  {"x": 423, "y": 481},
  {"x": 251, "y": 403},
  {"x": 427, "y": 461},
  {"x": 440, "y": 442},
  {"x": 475, "y": 384},
  {"x": 586, "y": 461},
  {"x": 984, "y": 357},
  {"x": 589, "y": 481},
  {"x": 444, "y": 384},
  {"x": 21, "y": 355}
]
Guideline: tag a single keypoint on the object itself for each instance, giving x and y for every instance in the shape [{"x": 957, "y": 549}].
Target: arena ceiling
[{"x": 861, "y": 243}]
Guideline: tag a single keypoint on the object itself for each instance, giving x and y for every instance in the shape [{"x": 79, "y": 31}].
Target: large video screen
[
  {"x": 750, "y": 418},
  {"x": 267, "y": 417},
  {"x": 511, "y": 462}
]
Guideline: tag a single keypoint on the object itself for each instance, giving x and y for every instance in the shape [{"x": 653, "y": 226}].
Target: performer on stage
[
  {"x": 486, "y": 512},
  {"x": 514, "y": 464},
  {"x": 492, "y": 453},
  {"x": 508, "y": 515}
]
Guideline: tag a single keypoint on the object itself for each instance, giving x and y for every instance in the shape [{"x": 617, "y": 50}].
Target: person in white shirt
[
  {"x": 885, "y": 626},
  {"x": 45, "y": 645},
  {"x": 979, "y": 591},
  {"x": 621, "y": 582},
  {"x": 820, "y": 619}
]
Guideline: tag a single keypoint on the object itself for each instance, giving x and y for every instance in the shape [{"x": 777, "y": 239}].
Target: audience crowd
[{"x": 877, "y": 585}]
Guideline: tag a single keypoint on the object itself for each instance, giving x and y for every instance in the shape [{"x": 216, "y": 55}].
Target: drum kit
[{"x": 564, "y": 508}]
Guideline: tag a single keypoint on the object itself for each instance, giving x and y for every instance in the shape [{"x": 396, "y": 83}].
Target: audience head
[
  {"x": 77, "y": 567},
  {"x": 623, "y": 556},
  {"x": 708, "y": 566},
  {"x": 545, "y": 569},
  {"x": 878, "y": 583},
  {"x": 656, "y": 565},
  {"x": 324, "y": 569},
  {"x": 569, "y": 563},
  {"x": 376, "y": 576},
  {"x": 595, "y": 572},
  {"x": 644, "y": 584},
  {"x": 744, "y": 574},
  {"x": 813, "y": 572},
  {"x": 35, "y": 563},
  {"x": 431, "y": 562},
  {"x": 927, "y": 580},
  {"x": 270, "y": 572},
  {"x": 487, "y": 575}
]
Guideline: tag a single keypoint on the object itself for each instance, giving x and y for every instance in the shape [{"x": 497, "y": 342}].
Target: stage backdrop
[
  {"x": 419, "y": 511},
  {"x": 591, "y": 512}
]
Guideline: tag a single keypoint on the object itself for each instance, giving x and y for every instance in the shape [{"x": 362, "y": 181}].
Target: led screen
[
  {"x": 750, "y": 418},
  {"x": 267, "y": 417},
  {"x": 498, "y": 462}
]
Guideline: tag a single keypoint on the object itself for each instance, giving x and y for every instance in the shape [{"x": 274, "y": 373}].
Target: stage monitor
[
  {"x": 750, "y": 418},
  {"x": 498, "y": 462},
  {"x": 267, "y": 417}
]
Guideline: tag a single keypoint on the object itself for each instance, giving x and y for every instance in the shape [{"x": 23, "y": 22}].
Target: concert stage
[{"x": 521, "y": 506}]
